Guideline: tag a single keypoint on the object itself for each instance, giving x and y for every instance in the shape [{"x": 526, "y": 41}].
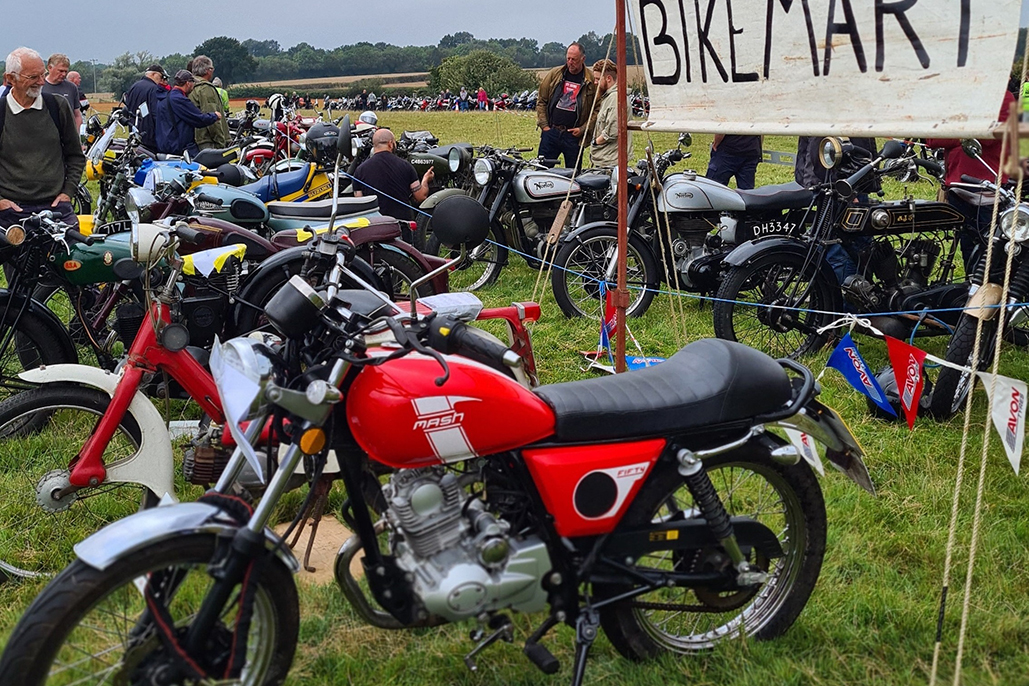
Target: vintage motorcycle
[
  {"x": 696, "y": 223},
  {"x": 892, "y": 261},
  {"x": 685, "y": 526}
]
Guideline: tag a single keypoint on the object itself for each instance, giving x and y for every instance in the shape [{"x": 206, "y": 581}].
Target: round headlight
[
  {"x": 454, "y": 159},
  {"x": 242, "y": 369},
  {"x": 830, "y": 152},
  {"x": 1014, "y": 224},
  {"x": 483, "y": 172},
  {"x": 137, "y": 204},
  {"x": 147, "y": 241}
]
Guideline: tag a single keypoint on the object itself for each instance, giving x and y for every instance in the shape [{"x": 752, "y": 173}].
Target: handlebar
[
  {"x": 189, "y": 235},
  {"x": 204, "y": 197},
  {"x": 74, "y": 236},
  {"x": 449, "y": 336},
  {"x": 931, "y": 166}
]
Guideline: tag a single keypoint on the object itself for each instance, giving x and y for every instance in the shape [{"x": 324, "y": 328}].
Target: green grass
[{"x": 872, "y": 617}]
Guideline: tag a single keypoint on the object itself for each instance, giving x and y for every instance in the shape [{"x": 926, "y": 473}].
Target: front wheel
[
  {"x": 775, "y": 304},
  {"x": 952, "y": 387},
  {"x": 786, "y": 499},
  {"x": 92, "y": 626},
  {"x": 591, "y": 258}
]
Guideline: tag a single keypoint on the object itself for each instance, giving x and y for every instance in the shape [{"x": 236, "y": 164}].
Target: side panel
[
  {"x": 400, "y": 417},
  {"x": 152, "y": 465},
  {"x": 587, "y": 488}
]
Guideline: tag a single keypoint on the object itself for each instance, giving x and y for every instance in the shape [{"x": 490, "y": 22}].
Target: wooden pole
[{"x": 621, "y": 293}]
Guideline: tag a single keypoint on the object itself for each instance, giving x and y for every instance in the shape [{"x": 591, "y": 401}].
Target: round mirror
[
  {"x": 460, "y": 220},
  {"x": 972, "y": 147},
  {"x": 892, "y": 150}
]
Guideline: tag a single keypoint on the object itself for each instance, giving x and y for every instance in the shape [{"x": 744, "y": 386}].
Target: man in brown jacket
[
  {"x": 565, "y": 108},
  {"x": 208, "y": 99}
]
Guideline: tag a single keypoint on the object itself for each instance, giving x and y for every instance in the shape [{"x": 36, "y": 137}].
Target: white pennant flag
[
  {"x": 1007, "y": 408},
  {"x": 807, "y": 448}
]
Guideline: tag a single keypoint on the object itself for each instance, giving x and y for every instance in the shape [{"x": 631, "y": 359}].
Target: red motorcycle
[{"x": 655, "y": 505}]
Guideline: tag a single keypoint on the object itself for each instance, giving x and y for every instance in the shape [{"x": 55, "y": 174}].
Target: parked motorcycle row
[{"x": 321, "y": 348}]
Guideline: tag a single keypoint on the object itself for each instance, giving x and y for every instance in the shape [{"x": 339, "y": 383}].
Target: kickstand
[
  {"x": 314, "y": 513},
  {"x": 585, "y": 633}
]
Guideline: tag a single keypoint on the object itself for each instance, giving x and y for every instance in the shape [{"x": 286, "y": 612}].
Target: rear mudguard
[
  {"x": 55, "y": 328},
  {"x": 746, "y": 253},
  {"x": 152, "y": 465},
  {"x": 430, "y": 202},
  {"x": 128, "y": 536}
]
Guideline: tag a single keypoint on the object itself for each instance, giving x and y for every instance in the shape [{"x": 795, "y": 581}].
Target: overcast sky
[{"x": 103, "y": 30}]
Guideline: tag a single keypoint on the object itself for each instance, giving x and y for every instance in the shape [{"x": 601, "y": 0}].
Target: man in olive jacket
[
  {"x": 566, "y": 106},
  {"x": 208, "y": 99}
]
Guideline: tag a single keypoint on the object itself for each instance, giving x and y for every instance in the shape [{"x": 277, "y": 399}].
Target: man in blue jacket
[{"x": 178, "y": 118}]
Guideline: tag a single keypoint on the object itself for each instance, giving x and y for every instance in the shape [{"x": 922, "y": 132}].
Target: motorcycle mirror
[
  {"x": 346, "y": 146},
  {"x": 892, "y": 150},
  {"x": 972, "y": 147},
  {"x": 685, "y": 140}
]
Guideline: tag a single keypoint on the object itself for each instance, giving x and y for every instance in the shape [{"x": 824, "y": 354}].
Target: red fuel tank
[{"x": 400, "y": 417}]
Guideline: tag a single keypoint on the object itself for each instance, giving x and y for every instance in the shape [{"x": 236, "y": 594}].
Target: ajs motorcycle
[
  {"x": 893, "y": 260},
  {"x": 665, "y": 514}
]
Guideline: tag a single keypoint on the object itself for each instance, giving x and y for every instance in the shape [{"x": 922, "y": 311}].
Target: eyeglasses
[{"x": 30, "y": 77}]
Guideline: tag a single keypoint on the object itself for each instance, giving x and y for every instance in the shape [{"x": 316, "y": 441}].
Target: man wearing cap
[
  {"x": 140, "y": 103},
  {"x": 41, "y": 160},
  {"x": 178, "y": 118}
]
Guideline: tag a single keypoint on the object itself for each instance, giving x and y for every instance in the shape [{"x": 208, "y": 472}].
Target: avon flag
[
  {"x": 807, "y": 448},
  {"x": 907, "y": 370},
  {"x": 848, "y": 361},
  {"x": 1007, "y": 407},
  {"x": 607, "y": 322}
]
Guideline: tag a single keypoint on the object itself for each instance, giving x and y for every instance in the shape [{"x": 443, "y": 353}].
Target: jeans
[
  {"x": 63, "y": 212},
  {"x": 555, "y": 143},
  {"x": 977, "y": 228},
  {"x": 723, "y": 166}
]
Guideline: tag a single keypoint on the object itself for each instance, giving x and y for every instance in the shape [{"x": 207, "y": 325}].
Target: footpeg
[
  {"x": 542, "y": 658},
  {"x": 504, "y": 631}
]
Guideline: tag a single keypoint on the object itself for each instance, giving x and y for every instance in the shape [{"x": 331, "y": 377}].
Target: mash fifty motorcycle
[{"x": 667, "y": 514}]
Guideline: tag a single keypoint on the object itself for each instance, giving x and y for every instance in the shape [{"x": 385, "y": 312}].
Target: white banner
[
  {"x": 924, "y": 68},
  {"x": 1008, "y": 411}
]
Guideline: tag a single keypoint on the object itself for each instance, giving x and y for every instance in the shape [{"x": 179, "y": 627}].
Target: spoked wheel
[
  {"x": 952, "y": 387},
  {"x": 583, "y": 264},
  {"x": 480, "y": 268},
  {"x": 398, "y": 271},
  {"x": 787, "y": 500},
  {"x": 776, "y": 305},
  {"x": 89, "y": 313},
  {"x": 31, "y": 344},
  {"x": 92, "y": 626},
  {"x": 42, "y": 430}
]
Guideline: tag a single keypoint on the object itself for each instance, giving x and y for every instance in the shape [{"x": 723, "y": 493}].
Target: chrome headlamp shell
[
  {"x": 830, "y": 152},
  {"x": 243, "y": 368},
  {"x": 1014, "y": 224},
  {"x": 483, "y": 172},
  {"x": 147, "y": 241},
  {"x": 137, "y": 204}
]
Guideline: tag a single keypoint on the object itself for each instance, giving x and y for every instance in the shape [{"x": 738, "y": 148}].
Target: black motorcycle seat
[
  {"x": 322, "y": 209},
  {"x": 594, "y": 182},
  {"x": 215, "y": 157},
  {"x": 783, "y": 196},
  {"x": 274, "y": 186},
  {"x": 708, "y": 382}
]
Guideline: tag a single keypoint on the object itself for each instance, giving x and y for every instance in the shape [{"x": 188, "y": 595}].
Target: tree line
[{"x": 266, "y": 60}]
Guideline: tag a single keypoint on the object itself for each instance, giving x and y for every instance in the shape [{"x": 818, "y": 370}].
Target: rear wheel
[
  {"x": 31, "y": 344},
  {"x": 787, "y": 500},
  {"x": 42, "y": 430},
  {"x": 92, "y": 626},
  {"x": 775, "y": 304},
  {"x": 479, "y": 269},
  {"x": 952, "y": 386}
]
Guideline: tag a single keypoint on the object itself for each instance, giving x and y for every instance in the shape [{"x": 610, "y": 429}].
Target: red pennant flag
[{"x": 907, "y": 370}]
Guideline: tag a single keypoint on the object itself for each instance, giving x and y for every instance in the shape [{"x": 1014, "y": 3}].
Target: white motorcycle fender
[
  {"x": 152, "y": 465},
  {"x": 983, "y": 301}
]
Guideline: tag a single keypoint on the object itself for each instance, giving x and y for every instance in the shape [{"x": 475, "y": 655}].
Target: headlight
[
  {"x": 830, "y": 152},
  {"x": 137, "y": 204},
  {"x": 1014, "y": 224},
  {"x": 483, "y": 172},
  {"x": 455, "y": 160},
  {"x": 147, "y": 241},
  {"x": 242, "y": 368}
]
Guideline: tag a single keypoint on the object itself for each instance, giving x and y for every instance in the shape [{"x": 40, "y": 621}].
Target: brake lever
[{"x": 409, "y": 339}]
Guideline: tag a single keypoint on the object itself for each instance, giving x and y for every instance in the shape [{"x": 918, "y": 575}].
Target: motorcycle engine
[
  {"x": 695, "y": 251},
  {"x": 461, "y": 558}
]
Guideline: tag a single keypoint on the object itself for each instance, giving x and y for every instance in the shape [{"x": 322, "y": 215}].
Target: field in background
[{"x": 872, "y": 617}]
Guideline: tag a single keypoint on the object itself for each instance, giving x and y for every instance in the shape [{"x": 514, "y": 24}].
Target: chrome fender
[
  {"x": 128, "y": 536},
  {"x": 983, "y": 301},
  {"x": 152, "y": 465}
]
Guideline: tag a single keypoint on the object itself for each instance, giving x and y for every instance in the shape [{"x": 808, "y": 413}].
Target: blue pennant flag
[
  {"x": 606, "y": 325},
  {"x": 848, "y": 361}
]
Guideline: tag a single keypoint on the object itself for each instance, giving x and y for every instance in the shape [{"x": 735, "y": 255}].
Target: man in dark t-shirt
[
  {"x": 393, "y": 180},
  {"x": 733, "y": 155},
  {"x": 56, "y": 83},
  {"x": 566, "y": 107}
]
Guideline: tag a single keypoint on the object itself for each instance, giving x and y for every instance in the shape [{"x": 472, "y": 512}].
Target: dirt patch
[{"x": 330, "y": 536}]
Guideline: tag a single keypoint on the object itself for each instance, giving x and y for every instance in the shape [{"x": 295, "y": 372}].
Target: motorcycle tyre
[
  {"x": 724, "y": 310},
  {"x": 391, "y": 264},
  {"x": 560, "y": 275},
  {"x": 60, "y": 396},
  {"x": 36, "y": 346},
  {"x": 54, "y": 613},
  {"x": 490, "y": 273},
  {"x": 946, "y": 399},
  {"x": 624, "y": 627},
  {"x": 420, "y": 236}
]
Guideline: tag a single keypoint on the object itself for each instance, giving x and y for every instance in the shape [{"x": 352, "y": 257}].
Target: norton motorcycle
[
  {"x": 889, "y": 261},
  {"x": 683, "y": 525}
]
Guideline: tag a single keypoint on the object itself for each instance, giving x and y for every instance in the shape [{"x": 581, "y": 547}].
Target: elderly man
[
  {"x": 178, "y": 118},
  {"x": 57, "y": 83},
  {"x": 392, "y": 179},
  {"x": 604, "y": 149},
  {"x": 206, "y": 97},
  {"x": 140, "y": 103},
  {"x": 76, "y": 78},
  {"x": 565, "y": 107},
  {"x": 41, "y": 160}
]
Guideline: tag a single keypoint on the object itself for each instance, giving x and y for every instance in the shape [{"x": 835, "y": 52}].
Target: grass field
[{"x": 872, "y": 618}]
